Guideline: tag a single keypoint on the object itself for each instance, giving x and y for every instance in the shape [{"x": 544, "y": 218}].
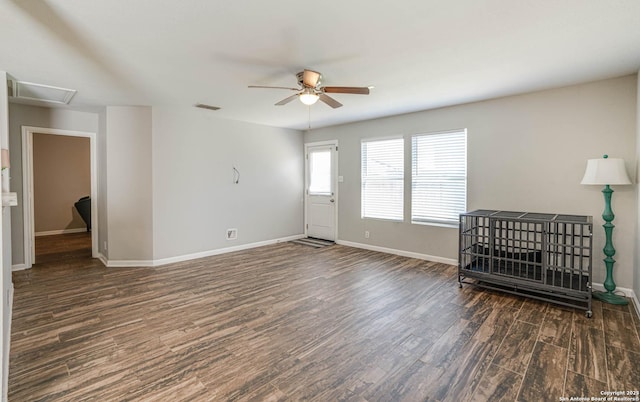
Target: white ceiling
[{"x": 419, "y": 54}]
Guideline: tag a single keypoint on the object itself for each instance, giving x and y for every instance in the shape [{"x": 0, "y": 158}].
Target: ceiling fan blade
[
  {"x": 330, "y": 101},
  {"x": 287, "y": 100},
  {"x": 310, "y": 78},
  {"x": 263, "y": 86},
  {"x": 346, "y": 90}
]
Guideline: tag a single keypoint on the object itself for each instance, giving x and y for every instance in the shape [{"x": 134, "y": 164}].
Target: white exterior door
[{"x": 321, "y": 195}]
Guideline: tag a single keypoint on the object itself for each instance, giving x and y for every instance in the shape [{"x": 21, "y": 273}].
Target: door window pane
[{"x": 320, "y": 172}]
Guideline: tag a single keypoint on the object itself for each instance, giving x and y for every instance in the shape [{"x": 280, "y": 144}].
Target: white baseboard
[
  {"x": 129, "y": 263},
  {"x": 403, "y": 253},
  {"x": 187, "y": 257},
  {"x": 103, "y": 259},
  {"x": 123, "y": 263},
  {"x": 209, "y": 253},
  {"x": 636, "y": 303},
  {"x": 627, "y": 292},
  {"x": 59, "y": 232},
  {"x": 163, "y": 261},
  {"x": 7, "y": 347},
  {"x": 596, "y": 286},
  {"x": 19, "y": 267}
]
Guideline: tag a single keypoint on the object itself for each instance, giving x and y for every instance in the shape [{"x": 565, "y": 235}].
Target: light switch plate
[{"x": 9, "y": 199}]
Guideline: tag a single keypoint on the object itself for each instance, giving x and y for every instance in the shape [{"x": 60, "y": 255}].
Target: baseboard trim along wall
[
  {"x": 103, "y": 259},
  {"x": 187, "y": 257},
  {"x": 127, "y": 263},
  {"x": 19, "y": 267},
  {"x": 59, "y": 232},
  {"x": 403, "y": 253},
  {"x": 627, "y": 292},
  {"x": 164, "y": 261},
  {"x": 596, "y": 286},
  {"x": 636, "y": 302},
  {"x": 7, "y": 346}
]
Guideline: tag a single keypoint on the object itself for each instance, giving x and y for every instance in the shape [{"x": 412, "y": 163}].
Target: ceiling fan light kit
[
  {"x": 308, "y": 97},
  {"x": 310, "y": 90}
]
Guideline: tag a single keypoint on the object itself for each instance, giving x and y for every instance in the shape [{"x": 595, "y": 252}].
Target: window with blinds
[
  {"x": 383, "y": 179},
  {"x": 439, "y": 177}
]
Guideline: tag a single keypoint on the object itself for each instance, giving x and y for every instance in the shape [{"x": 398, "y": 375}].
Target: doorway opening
[{"x": 56, "y": 240}]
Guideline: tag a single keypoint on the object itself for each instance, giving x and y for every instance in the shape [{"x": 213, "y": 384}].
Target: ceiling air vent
[
  {"x": 208, "y": 107},
  {"x": 42, "y": 93}
]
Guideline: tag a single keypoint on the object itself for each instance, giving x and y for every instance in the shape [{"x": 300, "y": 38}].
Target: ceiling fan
[{"x": 311, "y": 90}]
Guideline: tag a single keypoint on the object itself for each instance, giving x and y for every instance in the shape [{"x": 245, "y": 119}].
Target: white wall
[
  {"x": 180, "y": 160},
  {"x": 636, "y": 286},
  {"x": 24, "y": 115},
  {"x": 195, "y": 199},
  {"x": 525, "y": 152},
  {"x": 5, "y": 249},
  {"x": 129, "y": 204},
  {"x": 103, "y": 195}
]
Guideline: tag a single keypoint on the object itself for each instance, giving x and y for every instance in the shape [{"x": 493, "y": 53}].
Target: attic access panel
[{"x": 42, "y": 93}]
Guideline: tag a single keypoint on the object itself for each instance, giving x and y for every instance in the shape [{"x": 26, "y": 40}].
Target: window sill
[
  {"x": 442, "y": 225},
  {"x": 382, "y": 219}
]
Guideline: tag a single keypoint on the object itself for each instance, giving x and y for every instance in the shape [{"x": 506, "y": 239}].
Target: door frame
[
  {"x": 334, "y": 179},
  {"x": 27, "y": 187}
]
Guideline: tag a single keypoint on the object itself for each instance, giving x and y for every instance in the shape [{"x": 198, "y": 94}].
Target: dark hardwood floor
[
  {"x": 288, "y": 322},
  {"x": 57, "y": 249}
]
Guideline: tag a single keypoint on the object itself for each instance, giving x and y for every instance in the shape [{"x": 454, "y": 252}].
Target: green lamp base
[{"x": 610, "y": 298}]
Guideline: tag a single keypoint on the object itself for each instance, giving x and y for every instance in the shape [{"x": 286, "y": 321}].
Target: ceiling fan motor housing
[{"x": 300, "y": 77}]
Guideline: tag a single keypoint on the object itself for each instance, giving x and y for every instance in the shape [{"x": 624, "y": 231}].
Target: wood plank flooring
[
  {"x": 59, "y": 248},
  {"x": 288, "y": 322}
]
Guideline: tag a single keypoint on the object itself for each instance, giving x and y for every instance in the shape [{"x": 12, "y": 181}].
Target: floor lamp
[{"x": 607, "y": 171}]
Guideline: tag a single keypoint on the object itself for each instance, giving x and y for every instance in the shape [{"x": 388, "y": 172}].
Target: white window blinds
[
  {"x": 383, "y": 179},
  {"x": 439, "y": 177}
]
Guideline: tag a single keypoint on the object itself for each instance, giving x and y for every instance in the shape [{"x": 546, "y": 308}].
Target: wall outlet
[
  {"x": 366, "y": 234},
  {"x": 104, "y": 246},
  {"x": 232, "y": 234}
]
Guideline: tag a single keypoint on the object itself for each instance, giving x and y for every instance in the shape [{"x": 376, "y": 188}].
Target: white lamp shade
[
  {"x": 605, "y": 171},
  {"x": 308, "y": 98}
]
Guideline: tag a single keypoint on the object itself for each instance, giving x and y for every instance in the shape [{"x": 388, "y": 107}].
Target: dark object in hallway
[{"x": 83, "y": 205}]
